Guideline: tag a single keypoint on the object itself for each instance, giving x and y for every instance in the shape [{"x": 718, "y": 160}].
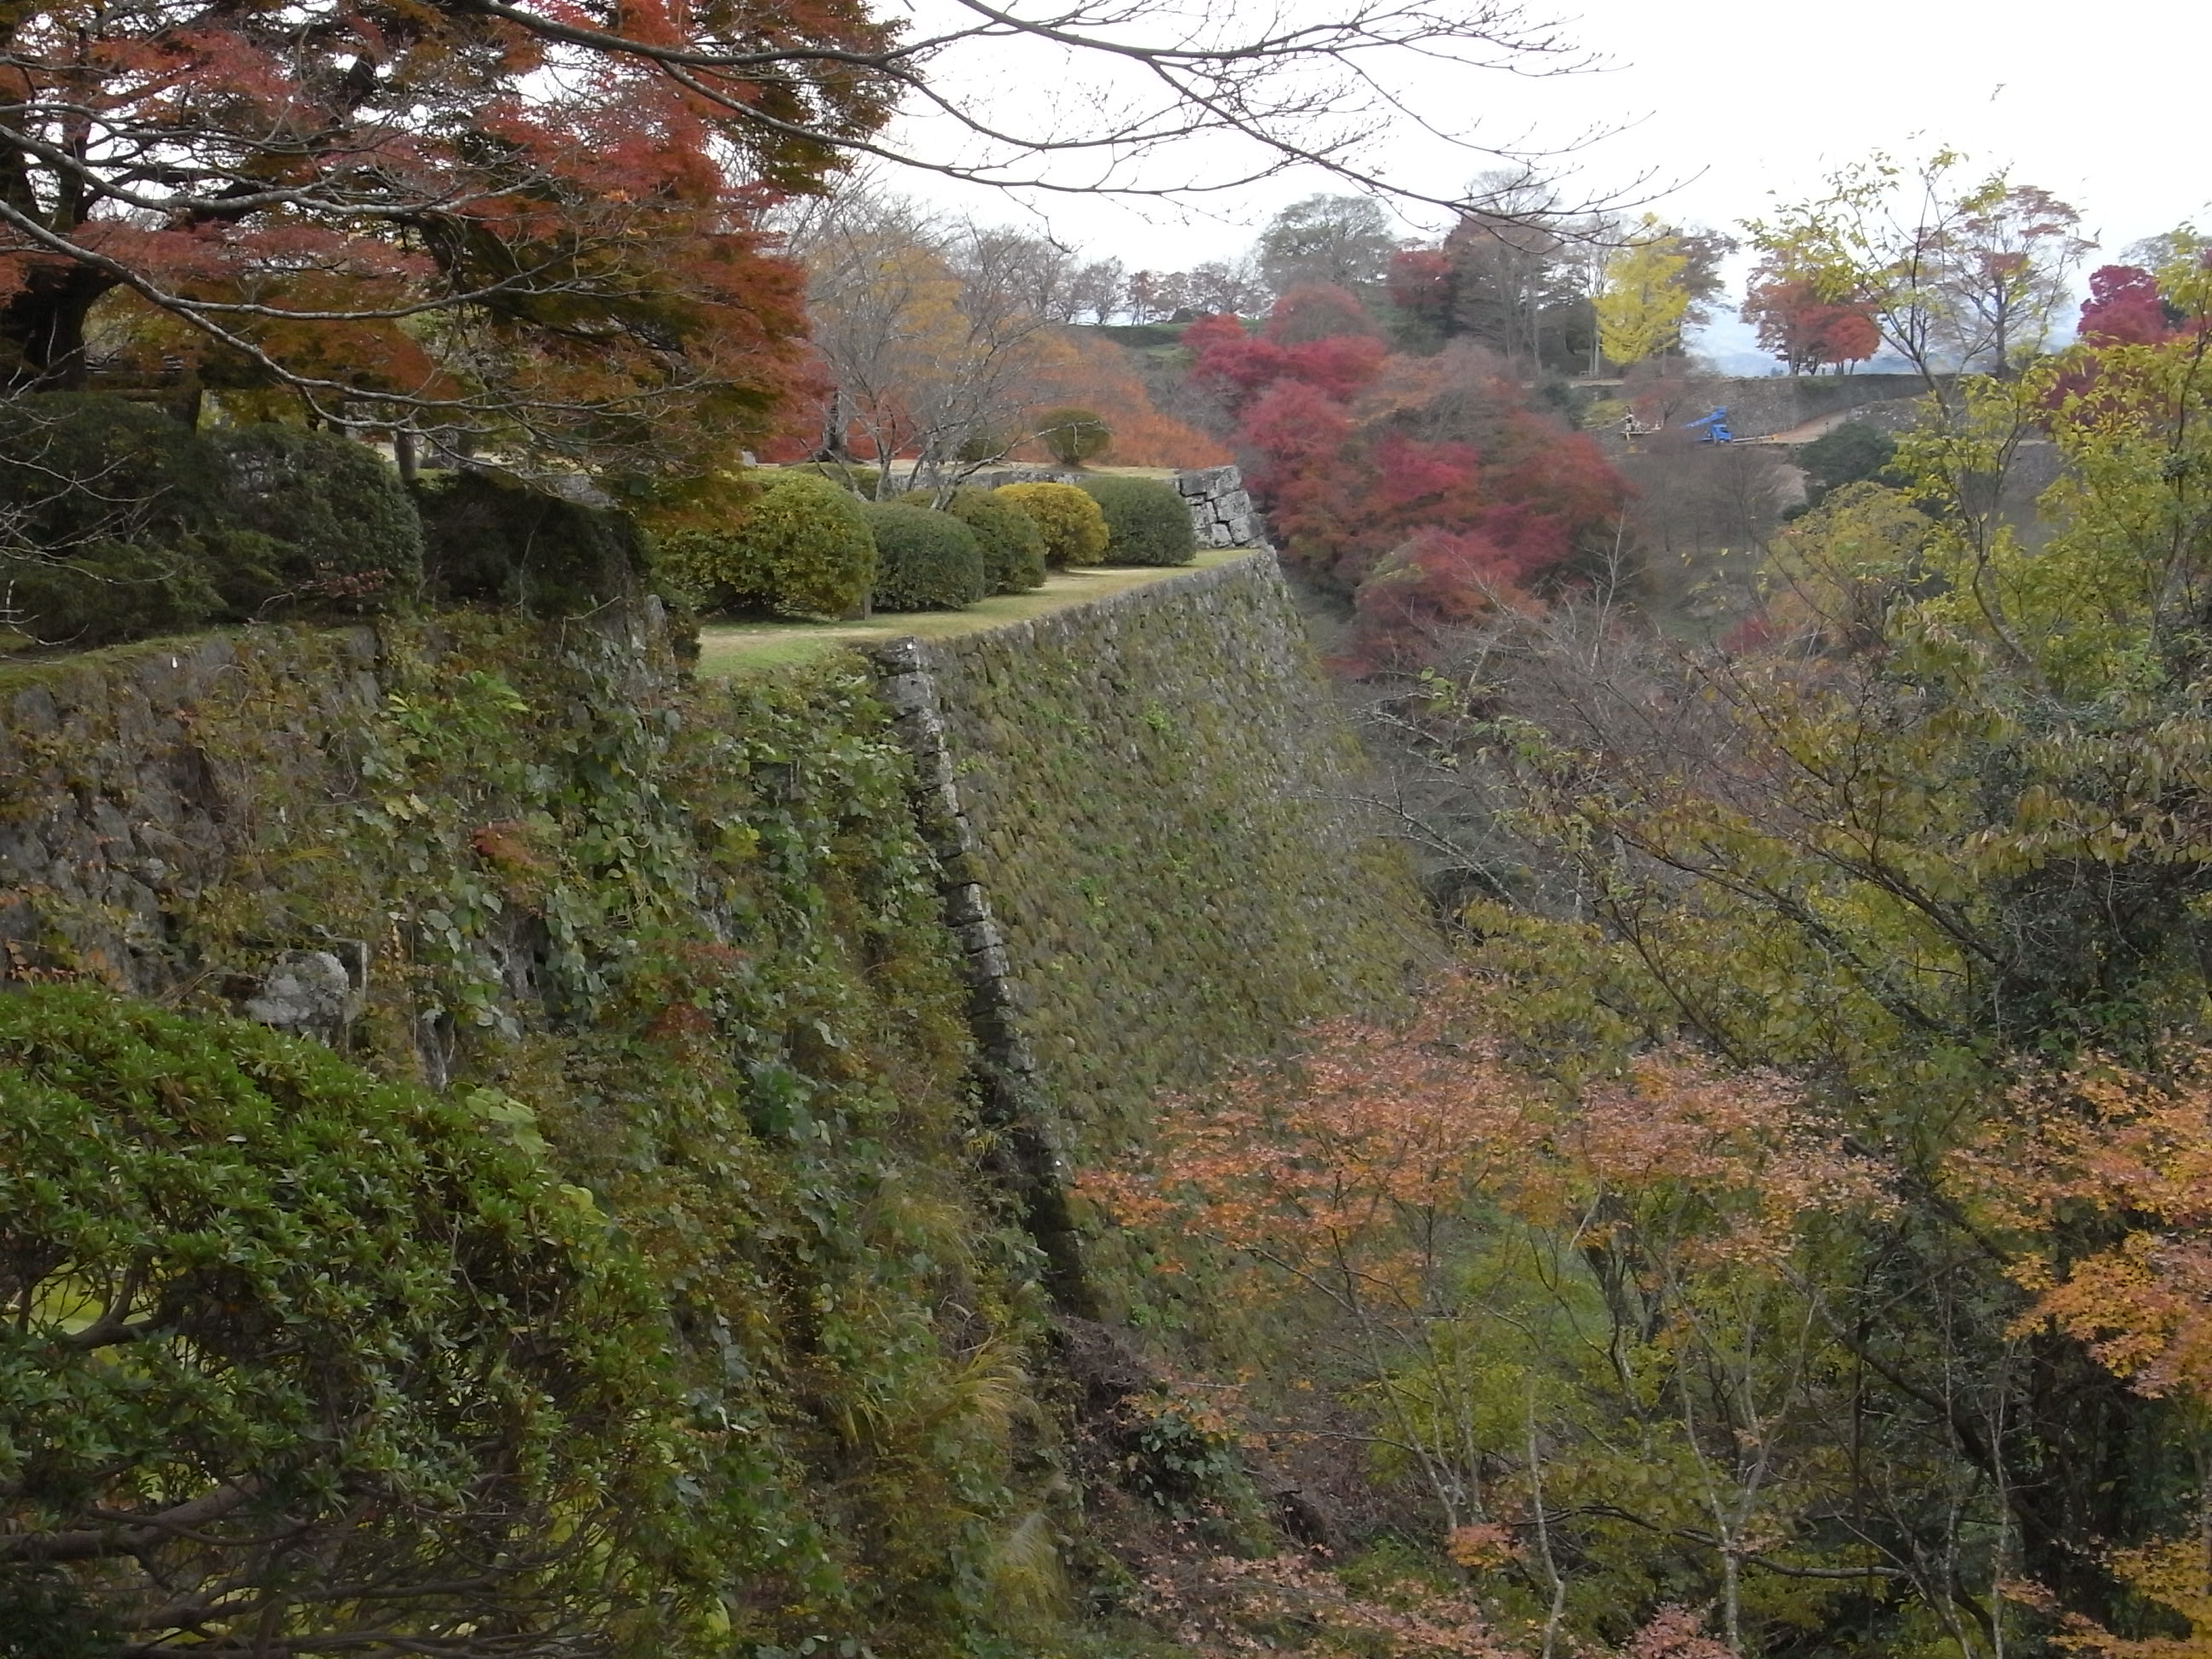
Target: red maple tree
[{"x": 1424, "y": 489}]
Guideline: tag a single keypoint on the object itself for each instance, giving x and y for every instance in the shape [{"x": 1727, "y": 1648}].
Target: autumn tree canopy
[
  {"x": 542, "y": 219},
  {"x": 384, "y": 206}
]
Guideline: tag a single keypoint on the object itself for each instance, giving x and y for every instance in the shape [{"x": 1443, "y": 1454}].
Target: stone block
[{"x": 307, "y": 993}]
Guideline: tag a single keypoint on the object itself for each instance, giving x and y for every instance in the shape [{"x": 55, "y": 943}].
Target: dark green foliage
[
  {"x": 365, "y": 1326},
  {"x": 1146, "y": 521},
  {"x": 925, "y": 561},
  {"x": 110, "y": 507},
  {"x": 490, "y": 540},
  {"x": 128, "y": 523},
  {"x": 43, "y": 1615},
  {"x": 1073, "y": 436},
  {"x": 1013, "y": 546},
  {"x": 355, "y": 541},
  {"x": 107, "y": 592},
  {"x": 1853, "y": 451},
  {"x": 802, "y": 548},
  {"x": 682, "y": 942}
]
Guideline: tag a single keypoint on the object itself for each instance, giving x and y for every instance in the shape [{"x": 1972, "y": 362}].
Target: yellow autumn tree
[{"x": 1640, "y": 308}]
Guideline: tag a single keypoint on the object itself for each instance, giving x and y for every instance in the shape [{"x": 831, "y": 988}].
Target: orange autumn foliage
[
  {"x": 1088, "y": 371},
  {"x": 1345, "y": 1165},
  {"x": 2119, "y": 1144}
]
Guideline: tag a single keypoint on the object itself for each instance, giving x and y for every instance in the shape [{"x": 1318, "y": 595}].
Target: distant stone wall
[{"x": 1760, "y": 408}]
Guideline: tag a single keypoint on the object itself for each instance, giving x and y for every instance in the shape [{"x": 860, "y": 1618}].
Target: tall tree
[
  {"x": 1641, "y": 306},
  {"x": 1341, "y": 241},
  {"x": 1505, "y": 256},
  {"x": 1952, "y": 275}
]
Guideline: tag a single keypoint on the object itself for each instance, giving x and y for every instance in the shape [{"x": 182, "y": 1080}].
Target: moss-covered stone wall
[
  {"x": 694, "y": 947},
  {"x": 680, "y": 942},
  {"x": 1160, "y": 806}
]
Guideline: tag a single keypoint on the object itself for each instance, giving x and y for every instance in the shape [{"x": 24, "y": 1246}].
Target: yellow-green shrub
[
  {"x": 1073, "y": 528},
  {"x": 802, "y": 548}
]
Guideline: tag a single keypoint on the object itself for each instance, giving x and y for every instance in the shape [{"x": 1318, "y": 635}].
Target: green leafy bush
[
  {"x": 925, "y": 561},
  {"x": 1013, "y": 546},
  {"x": 315, "y": 1324},
  {"x": 802, "y": 548},
  {"x": 490, "y": 540},
  {"x": 110, "y": 591},
  {"x": 129, "y": 523},
  {"x": 355, "y": 540},
  {"x": 1073, "y": 527},
  {"x": 1852, "y": 453},
  {"x": 1146, "y": 521},
  {"x": 1073, "y": 436}
]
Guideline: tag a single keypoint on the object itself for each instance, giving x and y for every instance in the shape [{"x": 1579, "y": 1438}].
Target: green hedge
[
  {"x": 357, "y": 539},
  {"x": 925, "y": 561},
  {"x": 1147, "y": 522},
  {"x": 491, "y": 540},
  {"x": 802, "y": 548},
  {"x": 1013, "y": 546},
  {"x": 132, "y": 523}
]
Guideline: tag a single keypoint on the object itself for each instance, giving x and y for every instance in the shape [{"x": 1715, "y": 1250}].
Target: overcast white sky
[{"x": 2111, "y": 110}]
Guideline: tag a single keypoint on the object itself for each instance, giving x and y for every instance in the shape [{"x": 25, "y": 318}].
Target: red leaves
[
  {"x": 1427, "y": 477},
  {"x": 2124, "y": 308},
  {"x": 1808, "y": 330}
]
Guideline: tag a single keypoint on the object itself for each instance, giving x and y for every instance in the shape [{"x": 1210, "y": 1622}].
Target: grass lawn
[{"x": 725, "y": 647}]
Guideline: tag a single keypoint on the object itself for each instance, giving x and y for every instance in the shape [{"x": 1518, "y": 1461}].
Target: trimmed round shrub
[
  {"x": 491, "y": 540},
  {"x": 356, "y": 539},
  {"x": 802, "y": 548},
  {"x": 1073, "y": 527},
  {"x": 1146, "y": 521},
  {"x": 1073, "y": 436},
  {"x": 925, "y": 561},
  {"x": 107, "y": 594},
  {"x": 1013, "y": 547}
]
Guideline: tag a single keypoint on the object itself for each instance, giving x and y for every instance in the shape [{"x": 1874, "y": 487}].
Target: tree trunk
[{"x": 43, "y": 322}]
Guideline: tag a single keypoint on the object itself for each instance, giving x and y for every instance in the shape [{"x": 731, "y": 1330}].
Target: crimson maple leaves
[{"x": 1423, "y": 489}]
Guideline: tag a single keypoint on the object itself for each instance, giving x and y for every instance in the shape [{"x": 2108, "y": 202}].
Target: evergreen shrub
[
  {"x": 491, "y": 540},
  {"x": 1013, "y": 546},
  {"x": 1073, "y": 436},
  {"x": 1071, "y": 522},
  {"x": 355, "y": 540},
  {"x": 1146, "y": 521},
  {"x": 925, "y": 561},
  {"x": 242, "y": 1265},
  {"x": 127, "y": 522},
  {"x": 802, "y": 548}
]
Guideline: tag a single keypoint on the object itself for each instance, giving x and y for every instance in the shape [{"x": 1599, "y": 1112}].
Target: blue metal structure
[{"x": 1716, "y": 428}]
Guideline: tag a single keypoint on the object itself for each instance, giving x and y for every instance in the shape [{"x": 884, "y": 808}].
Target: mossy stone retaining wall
[{"x": 1159, "y": 804}]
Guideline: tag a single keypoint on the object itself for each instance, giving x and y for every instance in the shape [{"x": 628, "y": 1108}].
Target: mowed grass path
[{"x": 727, "y": 648}]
